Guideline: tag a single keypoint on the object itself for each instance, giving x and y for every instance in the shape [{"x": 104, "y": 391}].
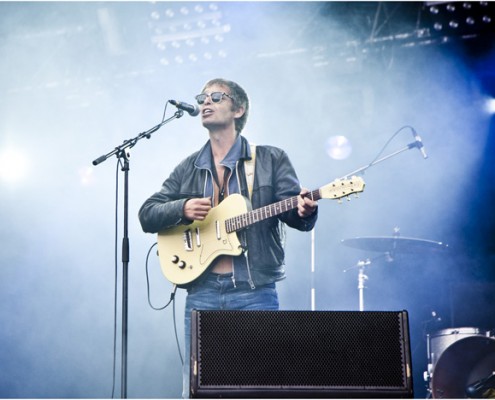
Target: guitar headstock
[{"x": 342, "y": 188}]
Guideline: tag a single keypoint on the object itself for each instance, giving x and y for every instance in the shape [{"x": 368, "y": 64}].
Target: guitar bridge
[{"x": 187, "y": 236}]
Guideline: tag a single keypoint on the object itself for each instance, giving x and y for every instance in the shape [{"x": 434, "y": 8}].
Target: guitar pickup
[
  {"x": 198, "y": 237},
  {"x": 187, "y": 237},
  {"x": 217, "y": 230}
]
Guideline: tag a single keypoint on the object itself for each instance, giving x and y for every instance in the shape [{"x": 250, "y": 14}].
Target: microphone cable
[
  {"x": 388, "y": 142},
  {"x": 171, "y": 300}
]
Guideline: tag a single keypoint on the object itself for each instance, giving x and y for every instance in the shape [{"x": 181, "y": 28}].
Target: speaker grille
[{"x": 301, "y": 349}]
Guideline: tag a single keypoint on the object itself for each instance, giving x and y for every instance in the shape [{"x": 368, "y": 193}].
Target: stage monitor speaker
[{"x": 300, "y": 354}]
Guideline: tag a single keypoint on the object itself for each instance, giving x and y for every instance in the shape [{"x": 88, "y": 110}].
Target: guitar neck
[{"x": 244, "y": 220}]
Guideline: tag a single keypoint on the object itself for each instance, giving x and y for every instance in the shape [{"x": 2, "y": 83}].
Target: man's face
[{"x": 220, "y": 113}]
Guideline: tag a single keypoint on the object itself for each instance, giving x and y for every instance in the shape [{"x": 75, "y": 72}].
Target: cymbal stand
[{"x": 362, "y": 278}]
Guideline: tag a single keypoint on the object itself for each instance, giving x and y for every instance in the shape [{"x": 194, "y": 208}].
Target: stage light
[
  {"x": 14, "y": 165},
  {"x": 338, "y": 147},
  {"x": 490, "y": 106},
  {"x": 86, "y": 176},
  {"x": 187, "y": 27},
  {"x": 454, "y": 24},
  {"x": 461, "y": 20}
]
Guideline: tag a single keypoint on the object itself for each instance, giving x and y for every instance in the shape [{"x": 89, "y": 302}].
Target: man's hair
[{"x": 239, "y": 98}]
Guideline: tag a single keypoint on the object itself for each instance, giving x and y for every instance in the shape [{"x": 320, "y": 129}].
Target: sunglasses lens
[
  {"x": 200, "y": 98},
  {"x": 216, "y": 97}
]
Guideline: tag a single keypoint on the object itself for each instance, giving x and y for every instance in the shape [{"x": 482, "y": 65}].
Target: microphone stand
[
  {"x": 122, "y": 153},
  {"x": 365, "y": 167},
  {"x": 362, "y": 277}
]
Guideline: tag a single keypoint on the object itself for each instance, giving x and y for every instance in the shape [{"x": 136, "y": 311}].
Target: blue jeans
[{"x": 218, "y": 292}]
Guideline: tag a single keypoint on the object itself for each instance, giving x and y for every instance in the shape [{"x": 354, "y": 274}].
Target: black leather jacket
[{"x": 275, "y": 180}]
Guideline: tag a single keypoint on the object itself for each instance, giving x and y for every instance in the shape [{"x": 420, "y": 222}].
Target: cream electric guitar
[{"x": 186, "y": 251}]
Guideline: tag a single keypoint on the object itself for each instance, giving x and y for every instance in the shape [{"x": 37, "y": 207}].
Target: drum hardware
[
  {"x": 461, "y": 363},
  {"x": 483, "y": 388},
  {"x": 388, "y": 246},
  {"x": 393, "y": 244}
]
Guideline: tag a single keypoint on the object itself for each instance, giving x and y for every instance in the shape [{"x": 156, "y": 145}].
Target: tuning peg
[
  {"x": 348, "y": 198},
  {"x": 339, "y": 201}
]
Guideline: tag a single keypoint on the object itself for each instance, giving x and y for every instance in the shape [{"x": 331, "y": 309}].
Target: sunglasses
[{"x": 216, "y": 97}]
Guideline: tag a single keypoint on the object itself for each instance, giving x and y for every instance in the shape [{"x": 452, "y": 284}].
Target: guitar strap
[{"x": 249, "y": 169}]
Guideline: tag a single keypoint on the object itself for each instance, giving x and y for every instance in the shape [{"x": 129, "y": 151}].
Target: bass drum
[
  {"x": 442, "y": 339},
  {"x": 463, "y": 363}
]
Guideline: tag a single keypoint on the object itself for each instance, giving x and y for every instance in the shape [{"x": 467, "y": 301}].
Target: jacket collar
[{"x": 240, "y": 150}]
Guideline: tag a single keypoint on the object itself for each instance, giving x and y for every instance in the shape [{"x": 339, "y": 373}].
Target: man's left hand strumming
[{"x": 305, "y": 206}]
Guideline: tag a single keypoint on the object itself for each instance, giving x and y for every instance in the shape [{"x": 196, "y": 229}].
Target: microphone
[
  {"x": 189, "y": 108},
  {"x": 419, "y": 143}
]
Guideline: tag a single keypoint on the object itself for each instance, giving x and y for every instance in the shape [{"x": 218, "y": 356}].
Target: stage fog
[{"x": 334, "y": 88}]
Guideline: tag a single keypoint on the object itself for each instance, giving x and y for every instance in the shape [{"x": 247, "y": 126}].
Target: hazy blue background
[{"x": 79, "y": 78}]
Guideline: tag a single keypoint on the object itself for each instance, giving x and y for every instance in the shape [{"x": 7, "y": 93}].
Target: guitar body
[{"x": 186, "y": 251}]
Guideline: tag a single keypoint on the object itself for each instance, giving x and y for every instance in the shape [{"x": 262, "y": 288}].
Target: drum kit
[{"x": 460, "y": 361}]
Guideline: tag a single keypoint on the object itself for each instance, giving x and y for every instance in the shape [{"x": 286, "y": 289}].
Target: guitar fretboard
[{"x": 243, "y": 220}]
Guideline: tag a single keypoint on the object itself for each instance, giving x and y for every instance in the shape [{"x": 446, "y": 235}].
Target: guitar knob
[
  {"x": 182, "y": 265},
  {"x": 175, "y": 259}
]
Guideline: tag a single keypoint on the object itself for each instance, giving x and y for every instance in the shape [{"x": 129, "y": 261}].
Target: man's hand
[
  {"x": 197, "y": 209},
  {"x": 305, "y": 206}
]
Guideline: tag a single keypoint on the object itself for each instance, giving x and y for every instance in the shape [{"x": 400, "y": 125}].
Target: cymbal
[{"x": 394, "y": 244}]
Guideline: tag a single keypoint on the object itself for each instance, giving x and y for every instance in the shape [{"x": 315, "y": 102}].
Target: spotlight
[
  {"x": 14, "y": 165},
  {"x": 338, "y": 147},
  {"x": 437, "y": 26},
  {"x": 470, "y": 21},
  {"x": 434, "y": 10},
  {"x": 450, "y": 7},
  {"x": 486, "y": 19},
  {"x": 454, "y": 24},
  {"x": 490, "y": 106},
  {"x": 86, "y": 176}
]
